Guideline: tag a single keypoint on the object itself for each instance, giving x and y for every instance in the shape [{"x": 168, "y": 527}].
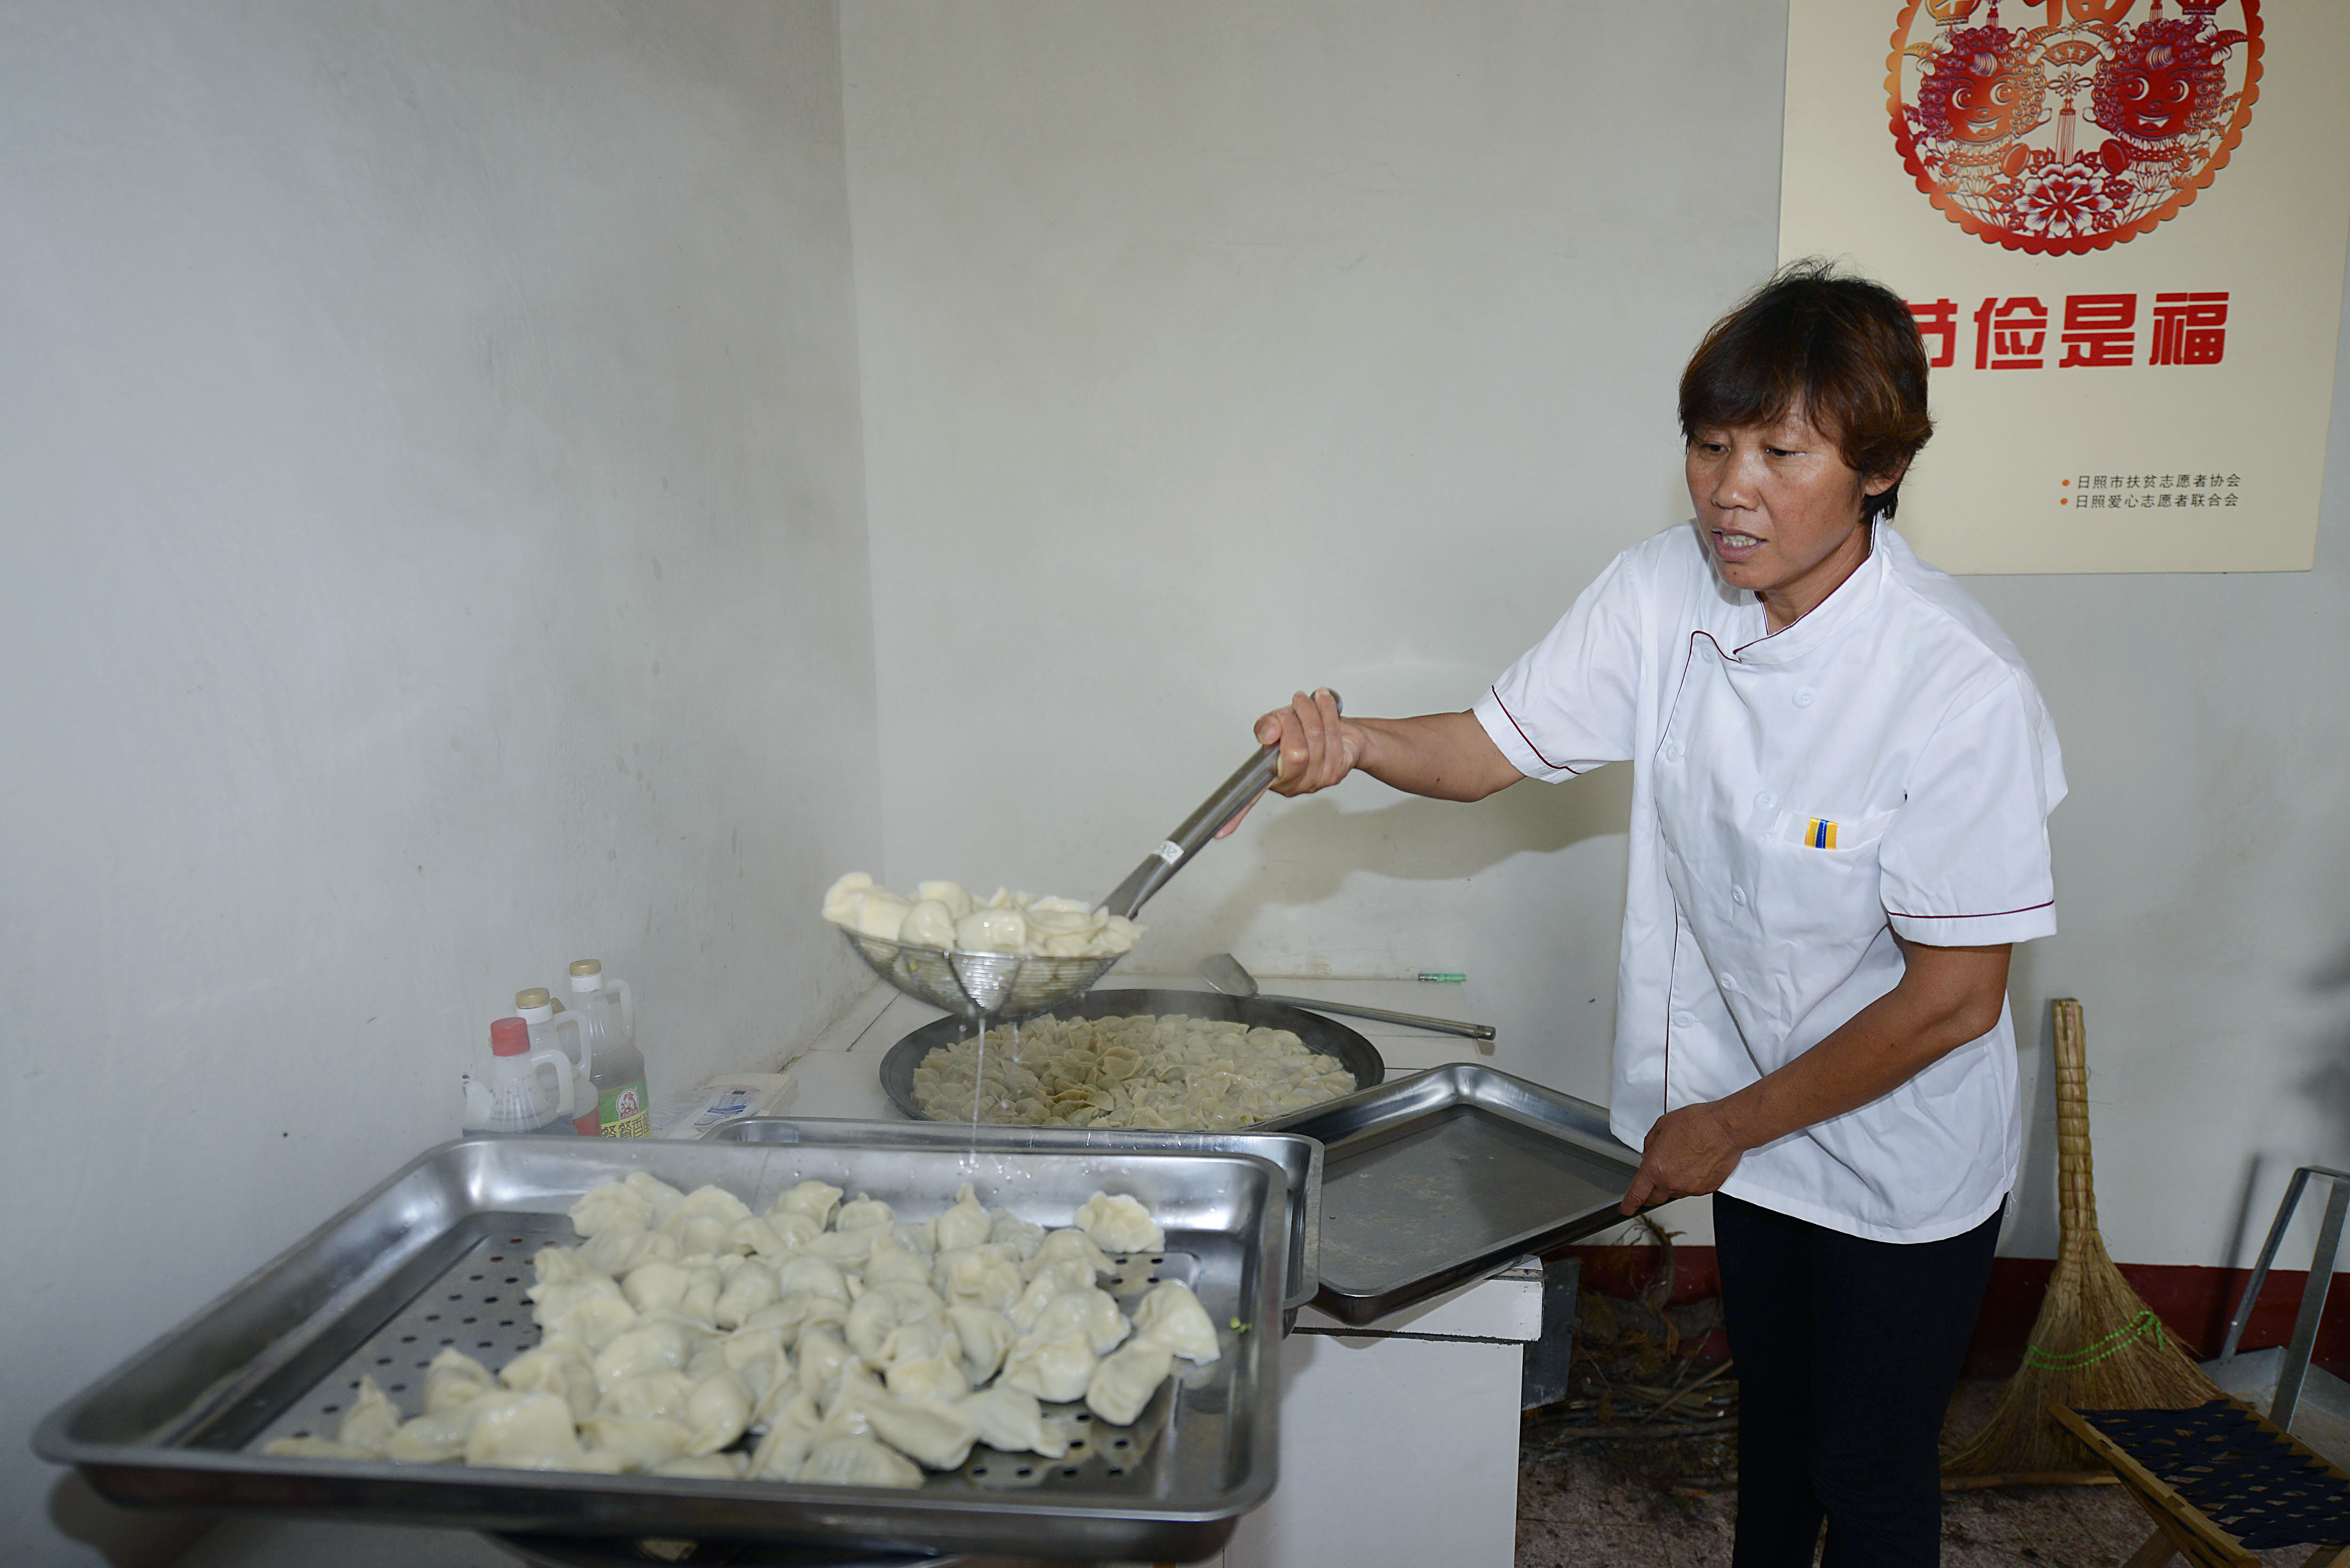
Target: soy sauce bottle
[{"x": 607, "y": 1012}]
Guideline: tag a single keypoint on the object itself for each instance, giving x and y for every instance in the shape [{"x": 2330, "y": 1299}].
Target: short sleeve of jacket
[
  {"x": 1965, "y": 860},
  {"x": 1568, "y": 704}
]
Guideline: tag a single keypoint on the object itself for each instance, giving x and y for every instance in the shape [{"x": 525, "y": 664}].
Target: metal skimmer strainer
[
  {"x": 979, "y": 985},
  {"x": 991, "y": 986}
]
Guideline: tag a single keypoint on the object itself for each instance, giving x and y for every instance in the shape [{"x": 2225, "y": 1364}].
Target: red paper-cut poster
[{"x": 2120, "y": 226}]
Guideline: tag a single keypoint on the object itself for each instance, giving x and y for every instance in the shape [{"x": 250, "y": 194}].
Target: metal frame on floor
[{"x": 2295, "y": 1368}]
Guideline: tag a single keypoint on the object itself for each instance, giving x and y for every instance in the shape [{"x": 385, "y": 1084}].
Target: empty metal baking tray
[{"x": 1435, "y": 1181}]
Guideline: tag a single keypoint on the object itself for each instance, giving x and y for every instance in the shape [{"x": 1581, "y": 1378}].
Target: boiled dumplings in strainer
[{"x": 944, "y": 915}]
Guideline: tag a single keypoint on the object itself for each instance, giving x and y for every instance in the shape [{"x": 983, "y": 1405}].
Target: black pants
[{"x": 1847, "y": 1351}]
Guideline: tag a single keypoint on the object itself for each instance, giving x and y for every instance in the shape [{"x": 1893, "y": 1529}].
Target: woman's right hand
[{"x": 1317, "y": 747}]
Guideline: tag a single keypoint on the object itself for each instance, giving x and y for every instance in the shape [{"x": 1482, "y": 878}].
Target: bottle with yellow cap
[
  {"x": 567, "y": 1033},
  {"x": 607, "y": 1008}
]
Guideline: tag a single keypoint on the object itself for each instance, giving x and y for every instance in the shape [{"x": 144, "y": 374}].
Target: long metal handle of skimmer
[
  {"x": 1381, "y": 1015},
  {"x": 1247, "y": 783}
]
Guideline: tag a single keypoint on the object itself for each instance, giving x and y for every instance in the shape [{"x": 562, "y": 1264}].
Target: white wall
[
  {"x": 431, "y": 443},
  {"x": 434, "y": 551},
  {"x": 1216, "y": 350}
]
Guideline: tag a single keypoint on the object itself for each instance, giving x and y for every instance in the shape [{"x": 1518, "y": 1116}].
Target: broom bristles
[{"x": 2096, "y": 1345}]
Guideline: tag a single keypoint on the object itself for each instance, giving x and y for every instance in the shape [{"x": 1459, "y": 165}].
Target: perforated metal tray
[
  {"x": 1300, "y": 1158},
  {"x": 1439, "y": 1180},
  {"x": 478, "y": 1307},
  {"x": 437, "y": 1256}
]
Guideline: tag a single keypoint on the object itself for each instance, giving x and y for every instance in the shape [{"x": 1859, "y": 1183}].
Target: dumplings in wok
[{"x": 1146, "y": 1071}]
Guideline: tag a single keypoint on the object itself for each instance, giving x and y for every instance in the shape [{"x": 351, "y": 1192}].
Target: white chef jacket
[{"x": 1884, "y": 764}]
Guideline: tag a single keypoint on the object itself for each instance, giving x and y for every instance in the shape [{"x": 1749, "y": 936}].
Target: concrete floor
[{"x": 1591, "y": 1507}]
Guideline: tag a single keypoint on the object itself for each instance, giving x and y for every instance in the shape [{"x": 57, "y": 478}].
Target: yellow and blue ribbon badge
[{"x": 1820, "y": 833}]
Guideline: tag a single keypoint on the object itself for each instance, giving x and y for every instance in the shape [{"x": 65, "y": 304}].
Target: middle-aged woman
[{"x": 1842, "y": 775}]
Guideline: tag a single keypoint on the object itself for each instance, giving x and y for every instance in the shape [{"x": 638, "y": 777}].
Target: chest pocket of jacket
[
  {"x": 1821, "y": 885},
  {"x": 1835, "y": 836}
]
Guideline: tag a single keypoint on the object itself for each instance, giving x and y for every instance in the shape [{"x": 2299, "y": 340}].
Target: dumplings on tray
[
  {"x": 822, "y": 1341},
  {"x": 942, "y": 915},
  {"x": 1194, "y": 1075}
]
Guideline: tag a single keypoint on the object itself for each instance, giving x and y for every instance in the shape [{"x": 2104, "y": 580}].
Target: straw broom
[{"x": 2096, "y": 1347}]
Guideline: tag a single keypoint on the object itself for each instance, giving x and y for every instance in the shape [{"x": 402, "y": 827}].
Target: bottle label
[{"x": 623, "y": 1111}]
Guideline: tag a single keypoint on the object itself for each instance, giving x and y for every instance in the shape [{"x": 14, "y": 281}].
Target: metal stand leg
[
  {"x": 2313, "y": 1308},
  {"x": 1547, "y": 1358},
  {"x": 2295, "y": 1368},
  {"x": 2245, "y": 1303}
]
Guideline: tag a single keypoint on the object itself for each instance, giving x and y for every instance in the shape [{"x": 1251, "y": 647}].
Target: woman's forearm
[
  {"x": 1947, "y": 997},
  {"x": 1446, "y": 756}
]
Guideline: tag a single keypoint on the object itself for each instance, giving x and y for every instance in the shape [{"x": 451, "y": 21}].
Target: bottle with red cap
[{"x": 519, "y": 1097}]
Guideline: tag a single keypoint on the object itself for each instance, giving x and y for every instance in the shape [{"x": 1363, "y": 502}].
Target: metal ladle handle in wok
[{"x": 1248, "y": 781}]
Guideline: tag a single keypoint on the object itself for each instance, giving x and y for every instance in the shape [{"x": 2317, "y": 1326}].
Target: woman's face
[{"x": 1780, "y": 509}]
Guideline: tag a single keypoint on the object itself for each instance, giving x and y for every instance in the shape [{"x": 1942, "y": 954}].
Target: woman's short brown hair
[{"x": 1843, "y": 352}]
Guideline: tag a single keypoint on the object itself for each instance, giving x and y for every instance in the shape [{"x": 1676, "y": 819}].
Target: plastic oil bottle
[
  {"x": 517, "y": 1099},
  {"x": 623, "y": 1109},
  {"x": 567, "y": 1033}
]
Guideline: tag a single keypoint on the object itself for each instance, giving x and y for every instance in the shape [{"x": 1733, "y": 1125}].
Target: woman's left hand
[{"x": 1689, "y": 1151}]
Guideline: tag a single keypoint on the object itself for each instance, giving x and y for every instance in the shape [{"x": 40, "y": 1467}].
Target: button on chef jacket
[{"x": 1884, "y": 764}]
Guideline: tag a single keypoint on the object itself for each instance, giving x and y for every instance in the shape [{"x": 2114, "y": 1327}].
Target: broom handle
[{"x": 2076, "y": 1210}]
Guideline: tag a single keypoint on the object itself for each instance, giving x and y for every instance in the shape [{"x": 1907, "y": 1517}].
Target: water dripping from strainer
[{"x": 978, "y": 1087}]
